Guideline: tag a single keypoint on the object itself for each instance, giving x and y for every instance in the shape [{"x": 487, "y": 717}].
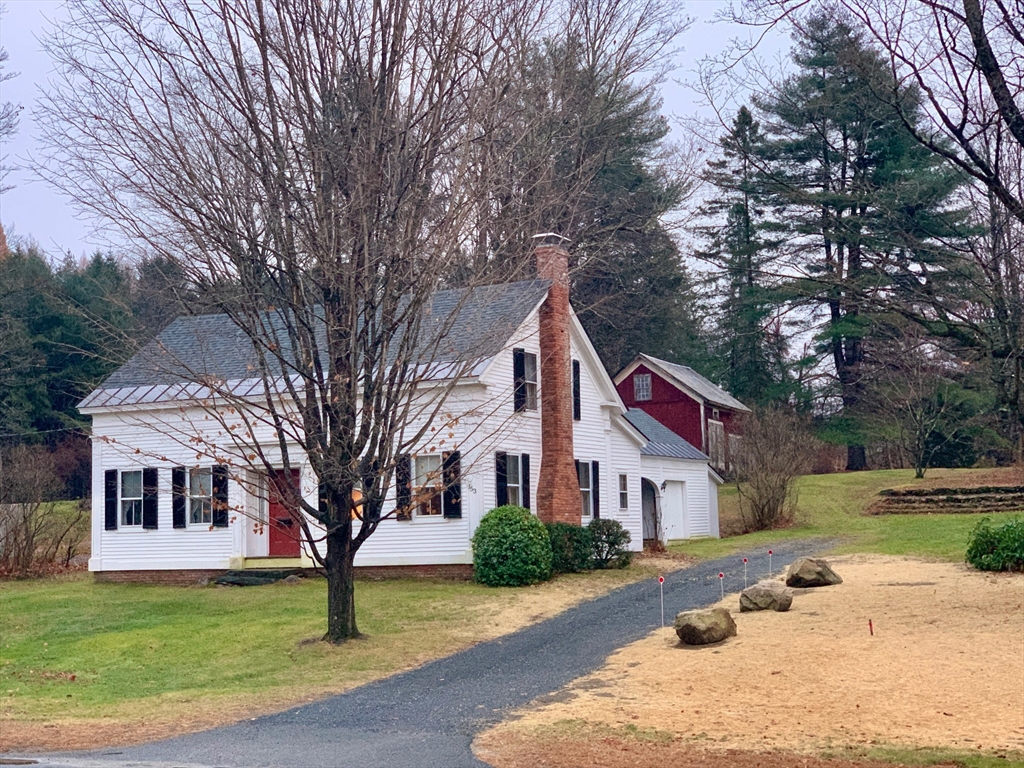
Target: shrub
[
  {"x": 998, "y": 548},
  {"x": 776, "y": 448},
  {"x": 572, "y": 548},
  {"x": 511, "y": 548},
  {"x": 611, "y": 544}
]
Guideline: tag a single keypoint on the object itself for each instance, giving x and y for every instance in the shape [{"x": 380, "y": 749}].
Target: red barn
[{"x": 697, "y": 410}]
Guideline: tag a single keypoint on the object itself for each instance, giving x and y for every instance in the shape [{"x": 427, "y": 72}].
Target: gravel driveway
[{"x": 427, "y": 717}]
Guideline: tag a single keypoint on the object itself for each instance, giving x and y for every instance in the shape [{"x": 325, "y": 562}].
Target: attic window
[
  {"x": 642, "y": 386},
  {"x": 715, "y": 414},
  {"x": 524, "y": 372}
]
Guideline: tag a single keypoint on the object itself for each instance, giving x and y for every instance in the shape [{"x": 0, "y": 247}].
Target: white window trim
[
  {"x": 643, "y": 385},
  {"x": 518, "y": 485},
  {"x": 189, "y": 523},
  {"x": 589, "y": 513},
  {"x": 416, "y": 514},
  {"x": 531, "y": 384},
  {"x": 121, "y": 498},
  {"x": 623, "y": 491}
]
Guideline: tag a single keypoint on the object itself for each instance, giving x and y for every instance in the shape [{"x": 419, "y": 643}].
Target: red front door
[{"x": 285, "y": 535}]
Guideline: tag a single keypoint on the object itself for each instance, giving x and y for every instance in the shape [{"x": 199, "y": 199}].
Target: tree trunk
[
  {"x": 341, "y": 603},
  {"x": 856, "y": 458}
]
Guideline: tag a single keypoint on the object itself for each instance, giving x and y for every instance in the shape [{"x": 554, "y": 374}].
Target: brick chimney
[{"x": 558, "y": 489}]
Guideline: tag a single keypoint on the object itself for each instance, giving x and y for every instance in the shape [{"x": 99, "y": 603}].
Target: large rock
[
  {"x": 766, "y": 596},
  {"x": 809, "y": 572},
  {"x": 706, "y": 626}
]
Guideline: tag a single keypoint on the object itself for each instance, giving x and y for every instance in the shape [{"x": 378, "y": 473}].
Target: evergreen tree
[
  {"x": 750, "y": 345},
  {"x": 861, "y": 201}
]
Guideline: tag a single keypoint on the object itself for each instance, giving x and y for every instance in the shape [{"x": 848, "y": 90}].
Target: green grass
[
  {"x": 139, "y": 651},
  {"x": 832, "y": 506},
  {"x": 926, "y": 757}
]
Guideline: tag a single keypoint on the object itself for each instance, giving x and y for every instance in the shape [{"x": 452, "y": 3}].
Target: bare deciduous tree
[
  {"x": 311, "y": 163},
  {"x": 321, "y": 168},
  {"x": 8, "y": 126},
  {"x": 776, "y": 449},
  {"x": 34, "y": 531}
]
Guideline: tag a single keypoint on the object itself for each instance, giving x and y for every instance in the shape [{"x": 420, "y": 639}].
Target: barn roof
[
  {"x": 662, "y": 441},
  {"x": 193, "y": 350}
]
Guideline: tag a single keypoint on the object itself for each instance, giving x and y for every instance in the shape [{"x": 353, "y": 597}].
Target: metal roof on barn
[{"x": 464, "y": 325}]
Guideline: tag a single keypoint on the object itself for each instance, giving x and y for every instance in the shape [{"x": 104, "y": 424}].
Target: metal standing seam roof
[
  {"x": 201, "y": 348},
  {"x": 662, "y": 440},
  {"x": 702, "y": 386}
]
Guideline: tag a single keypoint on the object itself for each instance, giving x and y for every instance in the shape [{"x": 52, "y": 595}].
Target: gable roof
[
  {"x": 687, "y": 378},
  {"x": 211, "y": 347},
  {"x": 662, "y": 440}
]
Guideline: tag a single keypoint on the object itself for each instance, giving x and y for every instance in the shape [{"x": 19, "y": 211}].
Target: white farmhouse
[{"x": 538, "y": 422}]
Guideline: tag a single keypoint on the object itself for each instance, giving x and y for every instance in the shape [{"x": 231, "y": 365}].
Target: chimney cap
[{"x": 557, "y": 239}]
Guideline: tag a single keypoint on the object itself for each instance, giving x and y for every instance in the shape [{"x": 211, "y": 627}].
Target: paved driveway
[{"x": 427, "y": 717}]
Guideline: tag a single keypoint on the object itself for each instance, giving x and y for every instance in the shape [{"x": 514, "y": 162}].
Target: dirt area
[
  {"x": 944, "y": 669},
  {"x": 607, "y": 749}
]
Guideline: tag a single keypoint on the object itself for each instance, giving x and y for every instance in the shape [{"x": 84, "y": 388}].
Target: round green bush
[
  {"x": 999, "y": 548},
  {"x": 572, "y": 548},
  {"x": 511, "y": 549},
  {"x": 611, "y": 544}
]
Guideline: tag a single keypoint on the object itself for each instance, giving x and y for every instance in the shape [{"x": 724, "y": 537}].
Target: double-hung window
[
  {"x": 428, "y": 484},
  {"x": 623, "y": 492},
  {"x": 524, "y": 375},
  {"x": 642, "y": 386},
  {"x": 131, "y": 498},
  {"x": 512, "y": 479},
  {"x": 587, "y": 471},
  {"x": 200, "y": 496}
]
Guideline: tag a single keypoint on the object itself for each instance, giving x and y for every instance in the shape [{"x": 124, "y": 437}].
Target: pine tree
[
  {"x": 750, "y": 346},
  {"x": 862, "y": 203}
]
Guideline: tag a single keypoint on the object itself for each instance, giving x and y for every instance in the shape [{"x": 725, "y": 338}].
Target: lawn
[
  {"x": 73, "y": 650},
  {"x": 832, "y": 506}
]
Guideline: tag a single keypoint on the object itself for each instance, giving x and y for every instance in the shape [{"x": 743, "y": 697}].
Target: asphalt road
[{"x": 427, "y": 717}]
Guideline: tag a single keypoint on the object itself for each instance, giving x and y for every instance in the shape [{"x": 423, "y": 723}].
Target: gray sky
[{"x": 35, "y": 210}]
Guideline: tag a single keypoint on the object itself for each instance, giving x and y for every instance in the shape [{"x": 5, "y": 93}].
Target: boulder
[
  {"x": 809, "y": 572},
  {"x": 290, "y": 580},
  {"x": 766, "y": 596},
  {"x": 706, "y": 626}
]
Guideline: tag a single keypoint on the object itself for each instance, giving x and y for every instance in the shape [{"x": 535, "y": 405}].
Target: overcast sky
[{"x": 34, "y": 210}]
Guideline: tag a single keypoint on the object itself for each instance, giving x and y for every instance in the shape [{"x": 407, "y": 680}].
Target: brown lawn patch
[{"x": 945, "y": 668}]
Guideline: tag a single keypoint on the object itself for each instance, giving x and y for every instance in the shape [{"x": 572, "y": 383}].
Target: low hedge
[
  {"x": 999, "y": 548},
  {"x": 511, "y": 548},
  {"x": 572, "y": 548},
  {"x": 611, "y": 544}
]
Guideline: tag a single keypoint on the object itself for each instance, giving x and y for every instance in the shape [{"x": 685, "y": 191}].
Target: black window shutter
[
  {"x": 220, "y": 496},
  {"x": 500, "y": 479},
  {"x": 110, "y": 500},
  {"x": 524, "y": 478},
  {"x": 577, "y": 409},
  {"x": 178, "y": 498},
  {"x": 519, "y": 379},
  {"x": 150, "y": 478},
  {"x": 452, "y": 475},
  {"x": 595, "y": 488},
  {"x": 403, "y": 487}
]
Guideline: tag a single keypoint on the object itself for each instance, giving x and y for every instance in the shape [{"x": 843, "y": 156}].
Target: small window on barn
[
  {"x": 715, "y": 415},
  {"x": 642, "y": 386}
]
